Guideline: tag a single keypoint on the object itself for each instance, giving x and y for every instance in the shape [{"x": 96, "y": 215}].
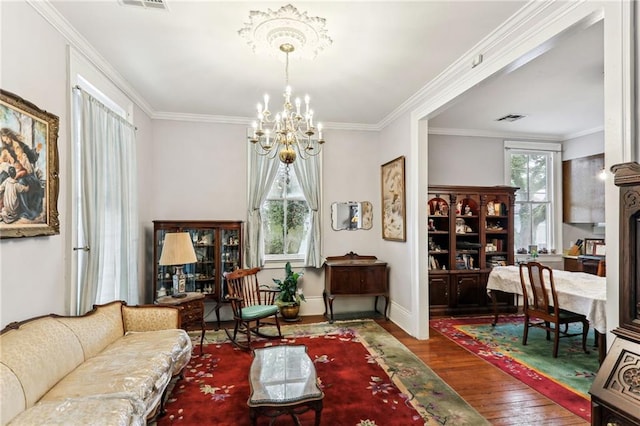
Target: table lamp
[{"x": 177, "y": 251}]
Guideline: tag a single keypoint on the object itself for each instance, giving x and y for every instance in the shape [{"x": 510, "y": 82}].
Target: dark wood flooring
[{"x": 497, "y": 396}]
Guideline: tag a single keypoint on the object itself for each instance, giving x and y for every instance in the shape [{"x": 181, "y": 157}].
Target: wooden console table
[
  {"x": 191, "y": 312},
  {"x": 354, "y": 275}
]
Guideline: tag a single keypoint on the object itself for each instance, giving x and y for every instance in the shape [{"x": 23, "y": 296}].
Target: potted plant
[{"x": 289, "y": 296}]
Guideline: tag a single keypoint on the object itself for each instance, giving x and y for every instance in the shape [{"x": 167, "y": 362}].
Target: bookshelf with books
[{"x": 471, "y": 230}]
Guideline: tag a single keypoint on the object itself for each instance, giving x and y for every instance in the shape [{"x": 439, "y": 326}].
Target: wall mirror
[{"x": 351, "y": 215}]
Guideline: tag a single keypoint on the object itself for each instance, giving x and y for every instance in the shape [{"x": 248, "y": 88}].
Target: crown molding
[
  {"x": 582, "y": 133},
  {"x": 245, "y": 121},
  {"x": 53, "y": 17},
  {"x": 445, "y": 131},
  {"x": 499, "y": 44},
  {"x": 200, "y": 118},
  {"x": 493, "y": 134},
  {"x": 501, "y": 40}
]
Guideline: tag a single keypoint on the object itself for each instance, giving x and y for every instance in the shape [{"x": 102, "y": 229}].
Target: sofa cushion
[
  {"x": 149, "y": 318},
  {"x": 39, "y": 353},
  {"x": 97, "y": 329},
  {"x": 81, "y": 412},
  {"x": 175, "y": 343},
  {"x": 137, "y": 366},
  {"x": 12, "y": 398}
]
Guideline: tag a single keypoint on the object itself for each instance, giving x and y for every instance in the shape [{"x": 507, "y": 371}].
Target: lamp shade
[{"x": 177, "y": 249}]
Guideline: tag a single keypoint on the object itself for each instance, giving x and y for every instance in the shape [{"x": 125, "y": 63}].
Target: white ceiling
[{"x": 190, "y": 61}]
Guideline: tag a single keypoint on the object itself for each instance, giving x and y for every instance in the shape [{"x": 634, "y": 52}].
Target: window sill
[{"x": 280, "y": 264}]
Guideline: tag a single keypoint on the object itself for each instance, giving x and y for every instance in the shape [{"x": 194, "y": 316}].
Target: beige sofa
[{"x": 108, "y": 367}]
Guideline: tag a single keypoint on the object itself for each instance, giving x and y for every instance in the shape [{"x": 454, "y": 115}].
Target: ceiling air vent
[
  {"x": 149, "y": 4},
  {"x": 511, "y": 117}
]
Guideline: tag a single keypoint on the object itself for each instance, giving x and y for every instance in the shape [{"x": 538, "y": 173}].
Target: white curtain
[
  {"x": 107, "y": 209},
  {"x": 262, "y": 173},
  {"x": 308, "y": 172}
]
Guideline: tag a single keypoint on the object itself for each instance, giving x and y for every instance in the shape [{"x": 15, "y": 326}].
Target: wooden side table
[
  {"x": 354, "y": 275},
  {"x": 191, "y": 312}
]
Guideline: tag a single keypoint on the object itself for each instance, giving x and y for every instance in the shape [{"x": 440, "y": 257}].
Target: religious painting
[
  {"x": 393, "y": 200},
  {"x": 28, "y": 169}
]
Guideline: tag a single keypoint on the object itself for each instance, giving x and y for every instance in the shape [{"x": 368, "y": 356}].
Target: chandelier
[{"x": 291, "y": 133}]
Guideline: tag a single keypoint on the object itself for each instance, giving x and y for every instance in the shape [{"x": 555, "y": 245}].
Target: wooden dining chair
[
  {"x": 251, "y": 305},
  {"x": 602, "y": 268},
  {"x": 541, "y": 308}
]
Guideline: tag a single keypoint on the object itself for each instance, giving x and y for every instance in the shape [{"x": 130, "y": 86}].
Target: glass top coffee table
[{"x": 283, "y": 381}]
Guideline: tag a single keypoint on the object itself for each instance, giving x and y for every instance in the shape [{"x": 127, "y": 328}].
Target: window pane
[
  {"x": 273, "y": 226},
  {"x": 520, "y": 176},
  {"x": 532, "y": 172},
  {"x": 540, "y": 229},
  {"x": 538, "y": 177},
  {"x": 285, "y": 216},
  {"x": 522, "y": 225},
  {"x": 297, "y": 225}
]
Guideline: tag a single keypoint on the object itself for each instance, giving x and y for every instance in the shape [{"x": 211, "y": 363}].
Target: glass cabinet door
[
  {"x": 229, "y": 252},
  {"x": 201, "y": 276},
  {"x": 164, "y": 282}
]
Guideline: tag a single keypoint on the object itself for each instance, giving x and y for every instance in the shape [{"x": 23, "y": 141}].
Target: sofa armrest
[{"x": 150, "y": 317}]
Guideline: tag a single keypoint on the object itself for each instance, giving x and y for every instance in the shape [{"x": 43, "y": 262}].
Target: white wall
[
  {"x": 583, "y": 146},
  {"x": 465, "y": 160},
  {"x": 394, "y": 142},
  {"x": 200, "y": 173},
  {"x": 33, "y": 66},
  {"x": 34, "y": 272}
]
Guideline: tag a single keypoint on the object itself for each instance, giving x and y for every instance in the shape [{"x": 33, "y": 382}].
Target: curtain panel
[{"x": 107, "y": 206}]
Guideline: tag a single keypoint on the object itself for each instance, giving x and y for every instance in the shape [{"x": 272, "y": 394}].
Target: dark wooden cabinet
[
  {"x": 572, "y": 264},
  {"x": 218, "y": 248},
  {"x": 470, "y": 231},
  {"x": 439, "y": 292},
  {"x": 354, "y": 275},
  {"x": 615, "y": 393},
  {"x": 583, "y": 263}
]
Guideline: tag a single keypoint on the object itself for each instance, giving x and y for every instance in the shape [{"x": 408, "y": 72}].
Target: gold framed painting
[
  {"x": 28, "y": 169},
  {"x": 393, "y": 200}
]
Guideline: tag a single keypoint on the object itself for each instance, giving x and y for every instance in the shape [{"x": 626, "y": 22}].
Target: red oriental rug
[
  {"x": 565, "y": 380},
  {"x": 367, "y": 376}
]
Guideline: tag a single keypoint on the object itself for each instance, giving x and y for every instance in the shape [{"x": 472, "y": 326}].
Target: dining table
[{"x": 577, "y": 292}]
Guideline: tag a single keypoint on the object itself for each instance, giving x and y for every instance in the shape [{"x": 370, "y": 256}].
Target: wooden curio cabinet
[
  {"x": 615, "y": 393},
  {"x": 471, "y": 230},
  {"x": 218, "y": 247}
]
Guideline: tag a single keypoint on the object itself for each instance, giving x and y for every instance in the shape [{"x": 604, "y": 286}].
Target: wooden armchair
[
  {"x": 251, "y": 304},
  {"x": 548, "y": 312}
]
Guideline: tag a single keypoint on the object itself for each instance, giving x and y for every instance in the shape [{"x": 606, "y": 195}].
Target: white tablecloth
[{"x": 577, "y": 291}]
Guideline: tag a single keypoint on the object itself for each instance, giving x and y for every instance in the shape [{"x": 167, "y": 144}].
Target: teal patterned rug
[{"x": 565, "y": 379}]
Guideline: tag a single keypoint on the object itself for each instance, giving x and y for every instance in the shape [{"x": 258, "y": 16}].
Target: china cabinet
[
  {"x": 615, "y": 393},
  {"x": 218, "y": 248},
  {"x": 470, "y": 230}
]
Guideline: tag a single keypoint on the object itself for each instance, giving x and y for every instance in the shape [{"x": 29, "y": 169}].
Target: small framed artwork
[
  {"x": 600, "y": 249},
  {"x": 590, "y": 245},
  {"x": 28, "y": 169},
  {"x": 393, "y": 200}
]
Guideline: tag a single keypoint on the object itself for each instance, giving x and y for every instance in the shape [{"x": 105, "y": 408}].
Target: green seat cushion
[{"x": 258, "y": 311}]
